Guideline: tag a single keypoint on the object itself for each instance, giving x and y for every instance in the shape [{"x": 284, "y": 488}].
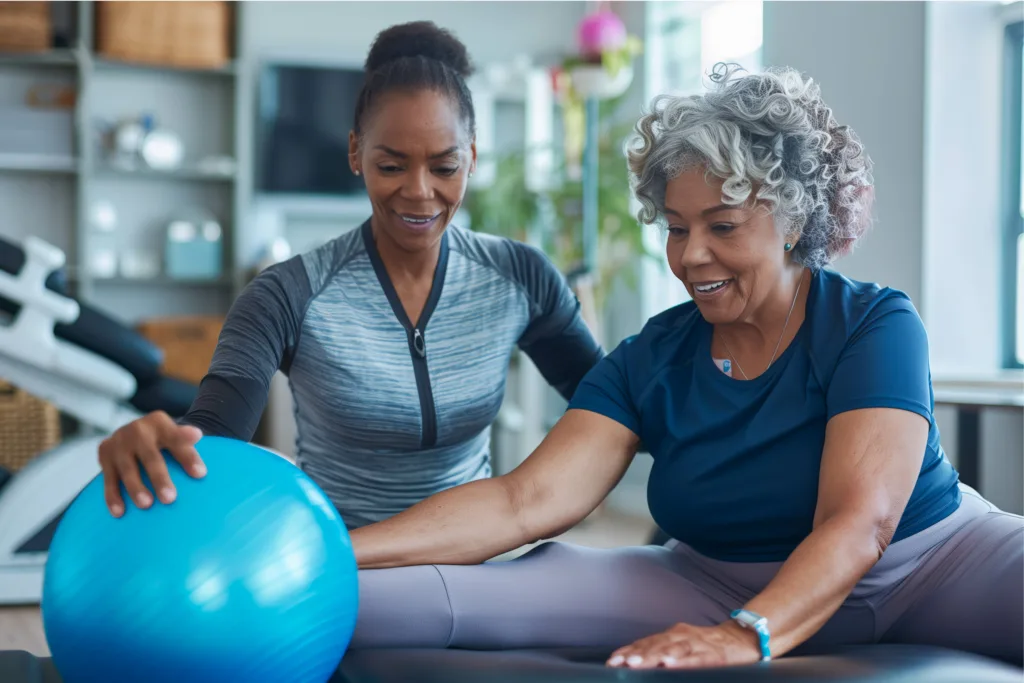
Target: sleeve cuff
[
  {"x": 880, "y": 402},
  {"x": 609, "y": 410}
]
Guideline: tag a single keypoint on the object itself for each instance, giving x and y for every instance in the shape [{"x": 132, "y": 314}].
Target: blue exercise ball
[{"x": 247, "y": 576}]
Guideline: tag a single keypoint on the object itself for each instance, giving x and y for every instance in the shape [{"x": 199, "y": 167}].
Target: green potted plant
[{"x": 553, "y": 219}]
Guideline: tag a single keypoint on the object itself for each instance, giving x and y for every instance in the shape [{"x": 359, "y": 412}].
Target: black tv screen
[{"x": 305, "y": 115}]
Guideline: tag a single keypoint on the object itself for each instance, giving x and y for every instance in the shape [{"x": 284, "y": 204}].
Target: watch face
[{"x": 749, "y": 619}]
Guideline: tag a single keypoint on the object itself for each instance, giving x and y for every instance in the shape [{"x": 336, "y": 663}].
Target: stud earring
[
  {"x": 788, "y": 246},
  {"x": 358, "y": 172}
]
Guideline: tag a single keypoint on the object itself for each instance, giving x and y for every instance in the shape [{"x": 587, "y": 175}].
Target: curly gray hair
[{"x": 767, "y": 133}]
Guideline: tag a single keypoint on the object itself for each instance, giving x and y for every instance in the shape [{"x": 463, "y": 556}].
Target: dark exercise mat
[{"x": 863, "y": 664}]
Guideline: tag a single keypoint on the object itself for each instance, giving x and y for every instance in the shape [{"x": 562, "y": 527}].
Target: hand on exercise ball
[{"x": 141, "y": 441}]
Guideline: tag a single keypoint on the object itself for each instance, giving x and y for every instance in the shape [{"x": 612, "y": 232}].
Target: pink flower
[{"x": 600, "y": 32}]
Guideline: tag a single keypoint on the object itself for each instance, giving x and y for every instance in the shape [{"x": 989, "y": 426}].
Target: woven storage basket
[
  {"x": 25, "y": 26},
  {"x": 28, "y": 426},
  {"x": 178, "y": 34}
]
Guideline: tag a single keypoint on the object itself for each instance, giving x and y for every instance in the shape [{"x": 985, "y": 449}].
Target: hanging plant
[{"x": 554, "y": 217}]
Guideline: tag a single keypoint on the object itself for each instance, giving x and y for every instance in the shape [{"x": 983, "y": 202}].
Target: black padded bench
[
  {"x": 108, "y": 338},
  {"x": 863, "y": 664}
]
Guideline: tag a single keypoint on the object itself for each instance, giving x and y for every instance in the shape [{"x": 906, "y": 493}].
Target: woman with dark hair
[{"x": 395, "y": 337}]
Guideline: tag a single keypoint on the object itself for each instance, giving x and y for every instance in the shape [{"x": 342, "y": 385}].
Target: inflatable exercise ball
[{"x": 247, "y": 576}]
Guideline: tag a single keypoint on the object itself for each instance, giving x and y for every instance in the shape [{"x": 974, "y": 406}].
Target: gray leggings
[{"x": 958, "y": 584}]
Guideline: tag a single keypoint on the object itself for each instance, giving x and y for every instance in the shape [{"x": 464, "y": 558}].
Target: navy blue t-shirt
[{"x": 736, "y": 463}]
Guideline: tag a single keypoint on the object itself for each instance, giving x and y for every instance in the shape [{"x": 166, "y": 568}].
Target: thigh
[
  {"x": 556, "y": 595},
  {"x": 562, "y": 595},
  {"x": 402, "y": 607},
  {"x": 968, "y": 594}
]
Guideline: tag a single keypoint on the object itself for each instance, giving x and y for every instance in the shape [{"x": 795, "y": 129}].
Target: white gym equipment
[{"x": 80, "y": 383}]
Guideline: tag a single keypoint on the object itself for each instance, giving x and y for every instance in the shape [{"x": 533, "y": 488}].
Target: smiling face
[
  {"x": 416, "y": 155},
  {"x": 731, "y": 260}
]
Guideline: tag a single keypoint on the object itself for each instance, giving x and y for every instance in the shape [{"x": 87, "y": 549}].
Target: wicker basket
[
  {"x": 25, "y": 27},
  {"x": 178, "y": 34},
  {"x": 28, "y": 426}
]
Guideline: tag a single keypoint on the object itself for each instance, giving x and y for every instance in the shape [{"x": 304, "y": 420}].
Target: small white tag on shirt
[{"x": 725, "y": 365}]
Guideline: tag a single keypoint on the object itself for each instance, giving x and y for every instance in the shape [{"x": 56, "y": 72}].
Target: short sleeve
[
  {"x": 885, "y": 363},
  {"x": 606, "y": 389}
]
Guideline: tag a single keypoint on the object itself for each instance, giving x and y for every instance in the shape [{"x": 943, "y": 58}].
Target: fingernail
[
  {"x": 634, "y": 660},
  {"x": 116, "y": 510},
  {"x": 616, "y": 660},
  {"x": 669, "y": 661},
  {"x": 200, "y": 469},
  {"x": 167, "y": 495},
  {"x": 145, "y": 499}
]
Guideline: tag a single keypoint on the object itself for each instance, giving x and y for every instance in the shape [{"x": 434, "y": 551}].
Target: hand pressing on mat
[
  {"x": 688, "y": 647},
  {"x": 141, "y": 441}
]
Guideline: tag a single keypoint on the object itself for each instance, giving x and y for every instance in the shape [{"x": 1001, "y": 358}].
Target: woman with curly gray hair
[{"x": 797, "y": 463}]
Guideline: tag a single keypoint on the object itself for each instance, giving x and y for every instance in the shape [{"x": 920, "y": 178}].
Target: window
[
  {"x": 1013, "y": 191},
  {"x": 684, "y": 40}
]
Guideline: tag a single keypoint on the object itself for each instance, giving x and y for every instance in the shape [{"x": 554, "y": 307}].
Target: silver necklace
[{"x": 781, "y": 335}]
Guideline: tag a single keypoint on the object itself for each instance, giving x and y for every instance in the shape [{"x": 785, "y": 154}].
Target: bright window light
[
  {"x": 731, "y": 32},
  {"x": 683, "y": 41}
]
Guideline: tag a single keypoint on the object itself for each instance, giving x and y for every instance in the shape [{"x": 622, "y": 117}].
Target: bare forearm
[
  {"x": 816, "y": 579},
  {"x": 467, "y": 524},
  {"x": 561, "y": 482}
]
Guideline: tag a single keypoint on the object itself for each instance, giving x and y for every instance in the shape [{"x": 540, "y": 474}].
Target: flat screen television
[{"x": 304, "y": 117}]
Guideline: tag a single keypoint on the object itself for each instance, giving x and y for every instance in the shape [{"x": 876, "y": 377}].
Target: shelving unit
[
  {"x": 100, "y": 64},
  {"x": 53, "y": 196},
  {"x": 143, "y": 173},
  {"x": 37, "y": 163},
  {"x": 57, "y": 57}
]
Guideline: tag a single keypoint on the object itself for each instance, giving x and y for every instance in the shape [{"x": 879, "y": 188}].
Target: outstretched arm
[
  {"x": 871, "y": 462},
  {"x": 562, "y": 481},
  {"x": 258, "y": 336},
  {"x": 875, "y": 440}
]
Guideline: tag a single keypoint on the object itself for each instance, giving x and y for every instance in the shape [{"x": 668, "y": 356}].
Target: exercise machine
[{"x": 94, "y": 369}]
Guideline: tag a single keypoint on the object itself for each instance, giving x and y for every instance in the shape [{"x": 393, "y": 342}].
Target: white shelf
[
  {"x": 55, "y": 57},
  {"x": 1002, "y": 388},
  {"x": 37, "y": 163},
  {"x": 186, "y": 173},
  {"x": 101, "y": 64},
  {"x": 161, "y": 281}
]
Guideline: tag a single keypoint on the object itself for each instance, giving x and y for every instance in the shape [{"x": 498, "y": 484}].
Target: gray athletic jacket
[{"x": 389, "y": 412}]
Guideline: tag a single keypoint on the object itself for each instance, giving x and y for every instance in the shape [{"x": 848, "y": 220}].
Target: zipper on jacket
[
  {"x": 418, "y": 347},
  {"x": 417, "y": 339}
]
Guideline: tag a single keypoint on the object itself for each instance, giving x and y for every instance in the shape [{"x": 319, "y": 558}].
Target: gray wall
[
  {"x": 962, "y": 216},
  {"x": 492, "y": 31},
  {"x": 868, "y": 58}
]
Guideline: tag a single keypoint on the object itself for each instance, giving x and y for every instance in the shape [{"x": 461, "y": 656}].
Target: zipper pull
[{"x": 419, "y": 344}]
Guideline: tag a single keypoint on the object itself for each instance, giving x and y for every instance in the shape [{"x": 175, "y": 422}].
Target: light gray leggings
[{"x": 958, "y": 584}]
